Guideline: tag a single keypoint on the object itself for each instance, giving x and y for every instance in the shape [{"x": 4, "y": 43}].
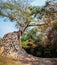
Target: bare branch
[
  {"x": 33, "y": 25},
  {"x": 36, "y": 24}
]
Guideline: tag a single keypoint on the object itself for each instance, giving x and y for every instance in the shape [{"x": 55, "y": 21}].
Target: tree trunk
[
  {"x": 19, "y": 38},
  {"x": 21, "y": 50}
]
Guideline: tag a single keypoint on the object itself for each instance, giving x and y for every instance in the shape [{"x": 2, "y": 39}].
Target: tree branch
[
  {"x": 36, "y": 24},
  {"x": 32, "y": 25}
]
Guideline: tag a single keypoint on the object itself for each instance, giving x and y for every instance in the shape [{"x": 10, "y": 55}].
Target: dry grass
[{"x": 9, "y": 61}]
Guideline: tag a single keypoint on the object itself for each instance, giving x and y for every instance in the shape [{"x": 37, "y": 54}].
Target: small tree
[{"x": 18, "y": 10}]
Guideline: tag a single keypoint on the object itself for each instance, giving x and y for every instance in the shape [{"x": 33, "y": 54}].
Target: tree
[
  {"x": 18, "y": 10},
  {"x": 42, "y": 19}
]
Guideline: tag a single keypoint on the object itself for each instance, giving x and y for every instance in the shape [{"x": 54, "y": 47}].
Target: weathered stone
[
  {"x": 1, "y": 49},
  {"x": 10, "y": 47}
]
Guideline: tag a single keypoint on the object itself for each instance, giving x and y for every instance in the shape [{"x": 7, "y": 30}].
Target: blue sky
[
  {"x": 6, "y": 26},
  {"x": 39, "y": 2}
]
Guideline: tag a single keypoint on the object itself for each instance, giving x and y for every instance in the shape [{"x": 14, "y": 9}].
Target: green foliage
[
  {"x": 25, "y": 16},
  {"x": 24, "y": 44},
  {"x": 34, "y": 9},
  {"x": 24, "y": 36},
  {"x": 31, "y": 35},
  {"x": 16, "y": 11},
  {"x": 54, "y": 26},
  {"x": 49, "y": 51}
]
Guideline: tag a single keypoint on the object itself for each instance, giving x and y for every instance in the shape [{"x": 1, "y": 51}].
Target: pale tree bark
[{"x": 19, "y": 38}]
